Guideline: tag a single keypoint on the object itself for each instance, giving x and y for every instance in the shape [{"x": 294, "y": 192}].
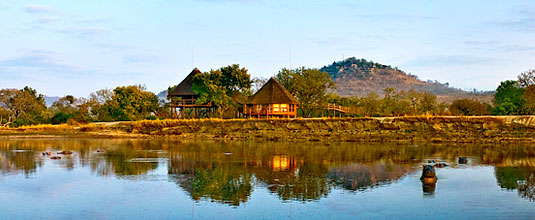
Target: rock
[
  {"x": 463, "y": 160},
  {"x": 55, "y": 158}
]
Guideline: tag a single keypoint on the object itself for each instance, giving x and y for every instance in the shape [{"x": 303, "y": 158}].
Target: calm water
[{"x": 243, "y": 180}]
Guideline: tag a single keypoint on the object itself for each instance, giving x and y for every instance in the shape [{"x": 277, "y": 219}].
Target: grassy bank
[{"x": 478, "y": 129}]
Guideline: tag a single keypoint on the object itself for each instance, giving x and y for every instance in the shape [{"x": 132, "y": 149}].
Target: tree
[
  {"x": 526, "y": 80},
  {"x": 310, "y": 86},
  {"x": 219, "y": 86},
  {"x": 132, "y": 103},
  {"x": 26, "y": 106},
  {"x": 70, "y": 109},
  {"x": 99, "y": 103},
  {"x": 509, "y": 98},
  {"x": 63, "y": 109},
  {"x": 469, "y": 107}
]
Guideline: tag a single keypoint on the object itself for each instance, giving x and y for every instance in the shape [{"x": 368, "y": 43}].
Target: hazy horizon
[{"x": 64, "y": 47}]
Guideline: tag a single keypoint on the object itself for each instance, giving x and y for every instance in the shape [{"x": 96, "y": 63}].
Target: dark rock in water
[
  {"x": 441, "y": 165},
  {"x": 101, "y": 151},
  {"x": 463, "y": 160},
  {"x": 55, "y": 158},
  {"x": 428, "y": 171},
  {"x": 46, "y": 153},
  {"x": 65, "y": 152}
]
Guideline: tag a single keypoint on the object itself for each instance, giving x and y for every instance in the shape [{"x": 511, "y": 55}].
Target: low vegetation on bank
[{"x": 455, "y": 129}]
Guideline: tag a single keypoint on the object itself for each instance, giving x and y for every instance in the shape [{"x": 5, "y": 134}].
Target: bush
[
  {"x": 469, "y": 107},
  {"x": 60, "y": 118}
]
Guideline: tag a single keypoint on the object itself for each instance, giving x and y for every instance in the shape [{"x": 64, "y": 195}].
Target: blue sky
[{"x": 75, "y": 47}]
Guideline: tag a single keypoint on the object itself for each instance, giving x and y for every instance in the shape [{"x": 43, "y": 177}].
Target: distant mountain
[
  {"x": 49, "y": 100},
  {"x": 162, "y": 96},
  {"x": 359, "y": 77}
]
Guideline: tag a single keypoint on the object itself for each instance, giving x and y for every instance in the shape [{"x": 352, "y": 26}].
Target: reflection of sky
[
  {"x": 470, "y": 44},
  {"x": 54, "y": 192}
]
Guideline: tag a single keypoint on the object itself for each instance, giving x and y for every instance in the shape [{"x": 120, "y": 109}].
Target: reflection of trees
[
  {"x": 360, "y": 176},
  {"x": 520, "y": 178},
  {"x": 209, "y": 173},
  {"x": 110, "y": 163},
  {"x": 527, "y": 188},
  {"x": 224, "y": 172},
  {"x": 12, "y": 161},
  {"x": 220, "y": 184},
  {"x": 309, "y": 184}
]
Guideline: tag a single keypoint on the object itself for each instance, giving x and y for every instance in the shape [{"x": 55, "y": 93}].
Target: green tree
[
  {"x": 309, "y": 86},
  {"x": 132, "y": 103},
  {"x": 509, "y": 99},
  {"x": 219, "y": 86},
  {"x": 63, "y": 109}
]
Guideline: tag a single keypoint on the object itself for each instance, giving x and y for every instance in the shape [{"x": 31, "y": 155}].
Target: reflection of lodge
[
  {"x": 283, "y": 163},
  {"x": 272, "y": 100}
]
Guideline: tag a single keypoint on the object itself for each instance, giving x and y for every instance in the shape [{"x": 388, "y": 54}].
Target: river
[{"x": 159, "y": 179}]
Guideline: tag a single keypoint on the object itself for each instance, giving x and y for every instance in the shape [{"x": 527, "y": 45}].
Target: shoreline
[{"x": 406, "y": 129}]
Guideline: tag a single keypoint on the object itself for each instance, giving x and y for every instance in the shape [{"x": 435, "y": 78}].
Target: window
[
  {"x": 258, "y": 108},
  {"x": 276, "y": 108},
  {"x": 284, "y": 107}
]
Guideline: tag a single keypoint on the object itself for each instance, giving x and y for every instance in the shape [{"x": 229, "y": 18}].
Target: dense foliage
[
  {"x": 309, "y": 86},
  {"x": 221, "y": 85},
  {"x": 21, "y": 107},
  {"x": 27, "y": 107}
]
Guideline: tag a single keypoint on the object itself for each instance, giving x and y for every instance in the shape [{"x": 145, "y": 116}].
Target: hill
[{"x": 359, "y": 77}]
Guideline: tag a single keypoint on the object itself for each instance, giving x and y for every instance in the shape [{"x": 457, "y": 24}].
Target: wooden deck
[{"x": 338, "y": 108}]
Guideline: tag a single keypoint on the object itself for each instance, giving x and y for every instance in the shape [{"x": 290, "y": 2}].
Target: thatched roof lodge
[
  {"x": 182, "y": 95},
  {"x": 272, "y": 100}
]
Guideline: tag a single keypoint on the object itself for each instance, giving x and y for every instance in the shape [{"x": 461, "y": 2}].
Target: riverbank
[{"x": 455, "y": 129}]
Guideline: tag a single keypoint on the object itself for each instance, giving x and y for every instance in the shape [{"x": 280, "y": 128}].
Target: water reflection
[
  {"x": 521, "y": 179},
  {"x": 228, "y": 173}
]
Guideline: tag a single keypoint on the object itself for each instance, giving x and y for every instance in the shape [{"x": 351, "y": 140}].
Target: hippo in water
[
  {"x": 65, "y": 152},
  {"x": 463, "y": 160},
  {"x": 428, "y": 171},
  {"x": 428, "y": 174},
  {"x": 441, "y": 165},
  {"x": 429, "y": 179}
]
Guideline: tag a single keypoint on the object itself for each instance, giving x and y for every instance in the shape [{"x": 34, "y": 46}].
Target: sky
[{"x": 76, "y": 47}]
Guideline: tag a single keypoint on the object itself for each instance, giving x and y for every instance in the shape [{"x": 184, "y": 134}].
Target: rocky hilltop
[{"x": 359, "y": 77}]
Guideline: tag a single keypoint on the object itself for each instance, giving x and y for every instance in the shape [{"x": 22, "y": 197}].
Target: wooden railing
[
  {"x": 188, "y": 103},
  {"x": 338, "y": 108}
]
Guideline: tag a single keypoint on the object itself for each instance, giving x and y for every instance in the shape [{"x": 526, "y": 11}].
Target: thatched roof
[
  {"x": 184, "y": 88},
  {"x": 272, "y": 93}
]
